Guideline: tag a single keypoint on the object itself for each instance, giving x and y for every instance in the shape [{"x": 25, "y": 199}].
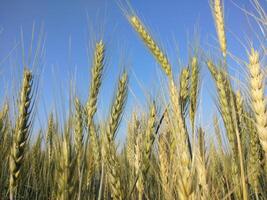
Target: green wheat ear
[{"x": 21, "y": 132}]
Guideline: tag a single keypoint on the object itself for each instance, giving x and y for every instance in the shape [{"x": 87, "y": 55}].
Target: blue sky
[{"x": 70, "y": 26}]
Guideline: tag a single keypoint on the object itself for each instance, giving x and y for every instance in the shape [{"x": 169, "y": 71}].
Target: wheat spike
[
  {"x": 151, "y": 44},
  {"x": 183, "y": 173},
  {"x": 194, "y": 87},
  {"x": 96, "y": 79},
  {"x": 219, "y": 21},
  {"x": 21, "y": 132},
  {"x": 138, "y": 164},
  {"x": 257, "y": 98},
  {"x": 78, "y": 132},
  {"x": 149, "y": 135},
  {"x": 117, "y": 107},
  {"x": 164, "y": 167},
  {"x": 184, "y": 87},
  {"x": 113, "y": 163},
  {"x": 66, "y": 163}
]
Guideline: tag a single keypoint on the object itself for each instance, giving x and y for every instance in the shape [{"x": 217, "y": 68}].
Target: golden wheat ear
[
  {"x": 220, "y": 26},
  {"x": 78, "y": 132},
  {"x": 21, "y": 132},
  {"x": 257, "y": 97},
  {"x": 194, "y": 89},
  {"x": 65, "y": 168},
  {"x": 151, "y": 44},
  {"x": 110, "y": 149},
  {"x": 91, "y": 105},
  {"x": 184, "y": 88},
  {"x": 96, "y": 80}
]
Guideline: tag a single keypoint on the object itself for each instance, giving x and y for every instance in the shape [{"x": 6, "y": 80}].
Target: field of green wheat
[{"x": 166, "y": 154}]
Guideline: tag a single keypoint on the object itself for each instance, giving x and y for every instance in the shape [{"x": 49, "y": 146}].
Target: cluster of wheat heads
[{"x": 166, "y": 154}]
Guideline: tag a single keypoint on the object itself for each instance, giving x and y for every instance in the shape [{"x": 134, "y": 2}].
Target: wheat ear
[
  {"x": 151, "y": 44},
  {"x": 115, "y": 116},
  {"x": 66, "y": 161},
  {"x": 257, "y": 98},
  {"x": 91, "y": 106},
  {"x": 149, "y": 135},
  {"x": 219, "y": 21},
  {"x": 49, "y": 137},
  {"x": 184, "y": 87},
  {"x": 96, "y": 79},
  {"x": 78, "y": 132},
  {"x": 21, "y": 132},
  {"x": 138, "y": 164},
  {"x": 194, "y": 87},
  {"x": 164, "y": 166}
]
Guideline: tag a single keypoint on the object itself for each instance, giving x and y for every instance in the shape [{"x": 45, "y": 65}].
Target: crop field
[{"x": 167, "y": 153}]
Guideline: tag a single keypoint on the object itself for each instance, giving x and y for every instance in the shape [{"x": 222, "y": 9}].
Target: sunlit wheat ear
[
  {"x": 50, "y": 137},
  {"x": 242, "y": 121},
  {"x": 212, "y": 68},
  {"x": 164, "y": 167},
  {"x": 220, "y": 27},
  {"x": 3, "y": 114},
  {"x": 224, "y": 99},
  {"x": 3, "y": 122},
  {"x": 138, "y": 164},
  {"x": 257, "y": 97},
  {"x": 151, "y": 44},
  {"x": 149, "y": 134},
  {"x": 96, "y": 79},
  {"x": 255, "y": 161},
  {"x": 200, "y": 157},
  {"x": 184, "y": 83},
  {"x": 117, "y": 107},
  {"x": 94, "y": 142},
  {"x": 21, "y": 132},
  {"x": 184, "y": 87},
  {"x": 110, "y": 149},
  {"x": 183, "y": 173},
  {"x": 66, "y": 163},
  {"x": 218, "y": 133},
  {"x": 194, "y": 87},
  {"x": 114, "y": 173},
  {"x": 179, "y": 119},
  {"x": 78, "y": 131},
  {"x": 133, "y": 127},
  {"x": 91, "y": 106},
  {"x": 36, "y": 152}
]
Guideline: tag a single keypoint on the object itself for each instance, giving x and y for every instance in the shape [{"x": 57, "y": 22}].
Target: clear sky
[{"x": 70, "y": 26}]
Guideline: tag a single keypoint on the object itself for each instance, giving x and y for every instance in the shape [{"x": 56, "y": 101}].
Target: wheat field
[{"x": 166, "y": 154}]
